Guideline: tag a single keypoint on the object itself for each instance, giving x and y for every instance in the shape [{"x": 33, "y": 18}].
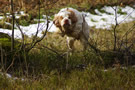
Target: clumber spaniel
[{"x": 72, "y": 23}]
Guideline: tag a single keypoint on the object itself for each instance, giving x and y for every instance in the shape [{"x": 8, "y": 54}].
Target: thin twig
[
  {"x": 2, "y": 58},
  {"x": 13, "y": 59},
  {"x": 49, "y": 49},
  {"x": 34, "y": 38},
  {"x": 22, "y": 44},
  {"x": 130, "y": 30},
  {"x": 126, "y": 17}
]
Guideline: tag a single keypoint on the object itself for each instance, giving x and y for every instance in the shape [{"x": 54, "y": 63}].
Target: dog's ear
[
  {"x": 56, "y": 21},
  {"x": 72, "y": 16}
]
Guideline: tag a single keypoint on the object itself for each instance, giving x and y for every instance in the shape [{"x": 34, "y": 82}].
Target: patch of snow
[
  {"x": 8, "y": 75},
  {"x": 8, "y": 23},
  {"x": 30, "y": 30},
  {"x": 44, "y": 17},
  {"x": 105, "y": 70},
  {"x": 9, "y": 32},
  {"x": 11, "y": 77},
  {"x": 17, "y": 16},
  {"x": 108, "y": 9},
  {"x": 22, "y": 13},
  {"x": 1, "y": 17},
  {"x": 9, "y": 16},
  {"x": 109, "y": 18},
  {"x": 128, "y": 10},
  {"x": 40, "y": 20},
  {"x": 99, "y": 23},
  {"x": 98, "y": 12},
  {"x": 8, "y": 13}
]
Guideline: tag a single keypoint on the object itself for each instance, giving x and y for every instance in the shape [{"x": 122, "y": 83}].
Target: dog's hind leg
[{"x": 84, "y": 42}]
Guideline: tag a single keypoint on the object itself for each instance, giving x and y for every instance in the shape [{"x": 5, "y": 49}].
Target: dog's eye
[{"x": 69, "y": 17}]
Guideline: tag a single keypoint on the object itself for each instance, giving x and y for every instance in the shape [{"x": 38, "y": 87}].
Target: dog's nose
[{"x": 66, "y": 21}]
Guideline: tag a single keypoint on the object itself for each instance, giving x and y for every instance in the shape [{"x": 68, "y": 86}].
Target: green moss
[
  {"x": 121, "y": 12},
  {"x": 104, "y": 19},
  {"x": 93, "y": 20},
  {"x": 5, "y": 41},
  {"x": 101, "y": 10}
]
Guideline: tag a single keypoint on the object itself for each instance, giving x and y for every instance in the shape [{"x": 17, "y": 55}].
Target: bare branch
[
  {"x": 114, "y": 29},
  {"x": 33, "y": 44},
  {"x": 50, "y": 49},
  {"x": 22, "y": 44},
  {"x": 34, "y": 38},
  {"x": 13, "y": 21}
]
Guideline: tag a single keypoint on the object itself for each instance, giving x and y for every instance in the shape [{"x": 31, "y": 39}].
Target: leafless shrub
[{"x": 25, "y": 47}]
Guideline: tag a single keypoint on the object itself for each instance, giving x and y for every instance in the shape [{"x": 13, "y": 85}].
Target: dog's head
[{"x": 65, "y": 18}]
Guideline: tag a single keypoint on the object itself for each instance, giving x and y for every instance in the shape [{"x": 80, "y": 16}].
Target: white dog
[{"x": 72, "y": 23}]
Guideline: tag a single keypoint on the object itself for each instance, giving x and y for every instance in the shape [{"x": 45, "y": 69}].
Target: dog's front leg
[{"x": 70, "y": 43}]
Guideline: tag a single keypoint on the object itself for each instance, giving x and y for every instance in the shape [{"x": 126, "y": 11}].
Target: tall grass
[{"x": 90, "y": 78}]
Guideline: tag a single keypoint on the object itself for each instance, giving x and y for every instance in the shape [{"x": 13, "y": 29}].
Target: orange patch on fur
[
  {"x": 72, "y": 16},
  {"x": 57, "y": 20}
]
